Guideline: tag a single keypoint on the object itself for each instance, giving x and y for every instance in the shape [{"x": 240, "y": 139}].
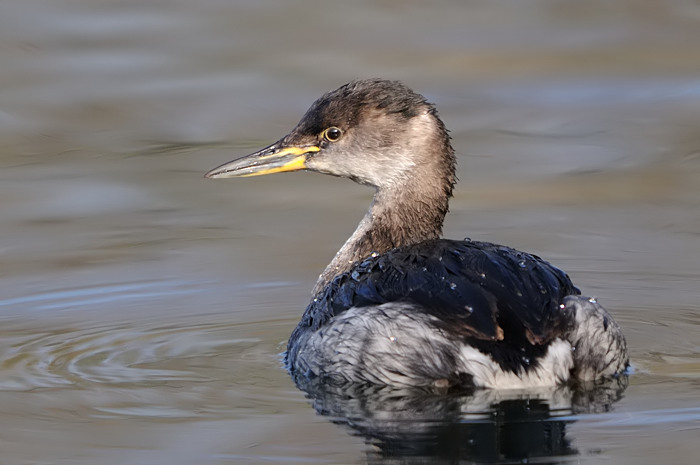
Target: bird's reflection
[{"x": 412, "y": 426}]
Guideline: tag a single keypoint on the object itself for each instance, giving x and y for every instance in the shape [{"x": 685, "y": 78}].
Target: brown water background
[{"x": 143, "y": 308}]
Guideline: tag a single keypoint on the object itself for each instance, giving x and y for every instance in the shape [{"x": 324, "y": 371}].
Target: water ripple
[
  {"x": 101, "y": 294},
  {"x": 115, "y": 355}
]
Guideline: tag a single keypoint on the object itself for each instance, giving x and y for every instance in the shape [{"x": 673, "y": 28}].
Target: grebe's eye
[{"x": 332, "y": 134}]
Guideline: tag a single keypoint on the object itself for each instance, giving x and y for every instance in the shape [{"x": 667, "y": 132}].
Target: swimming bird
[{"x": 401, "y": 306}]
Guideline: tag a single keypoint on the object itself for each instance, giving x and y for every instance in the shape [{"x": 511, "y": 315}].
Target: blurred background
[{"x": 143, "y": 308}]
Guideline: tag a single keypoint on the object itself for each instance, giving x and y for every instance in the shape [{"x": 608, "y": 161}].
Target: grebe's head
[{"x": 373, "y": 131}]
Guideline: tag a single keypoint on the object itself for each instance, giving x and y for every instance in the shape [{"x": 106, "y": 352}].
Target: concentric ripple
[{"x": 117, "y": 355}]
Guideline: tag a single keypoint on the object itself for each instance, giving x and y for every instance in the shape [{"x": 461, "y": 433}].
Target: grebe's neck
[{"x": 404, "y": 214}]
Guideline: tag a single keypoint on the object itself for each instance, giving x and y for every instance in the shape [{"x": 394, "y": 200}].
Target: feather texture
[{"x": 497, "y": 299}]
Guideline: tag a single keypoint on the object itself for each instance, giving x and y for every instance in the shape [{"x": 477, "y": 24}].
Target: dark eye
[{"x": 332, "y": 134}]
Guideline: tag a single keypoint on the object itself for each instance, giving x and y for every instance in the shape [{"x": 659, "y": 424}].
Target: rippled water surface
[{"x": 143, "y": 309}]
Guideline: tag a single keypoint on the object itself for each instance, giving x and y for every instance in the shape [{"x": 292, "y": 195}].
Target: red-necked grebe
[{"x": 400, "y": 306}]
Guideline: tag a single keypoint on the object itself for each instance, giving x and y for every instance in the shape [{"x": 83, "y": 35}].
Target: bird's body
[{"x": 400, "y": 306}]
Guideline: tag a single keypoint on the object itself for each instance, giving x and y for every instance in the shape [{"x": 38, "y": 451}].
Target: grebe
[{"x": 400, "y": 306}]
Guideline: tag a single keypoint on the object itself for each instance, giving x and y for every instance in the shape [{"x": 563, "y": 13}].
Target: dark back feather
[{"x": 484, "y": 292}]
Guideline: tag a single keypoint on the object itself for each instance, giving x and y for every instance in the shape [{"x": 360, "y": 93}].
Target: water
[{"x": 143, "y": 308}]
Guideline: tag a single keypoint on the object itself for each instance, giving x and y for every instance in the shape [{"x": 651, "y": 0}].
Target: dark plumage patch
[
  {"x": 499, "y": 300},
  {"x": 347, "y": 105}
]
